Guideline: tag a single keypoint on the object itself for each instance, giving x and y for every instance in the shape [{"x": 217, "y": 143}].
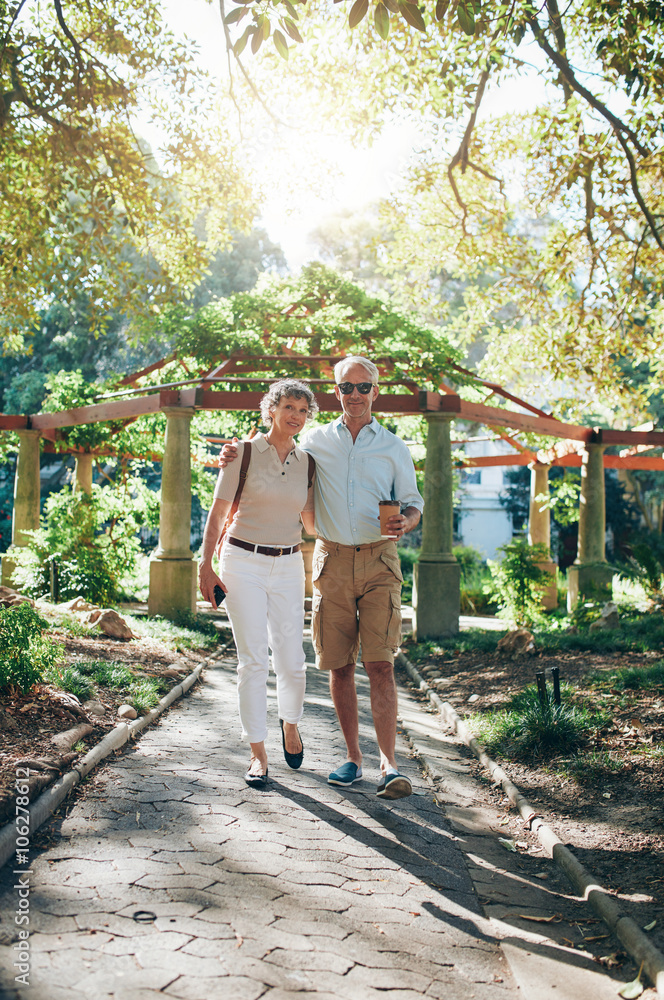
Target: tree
[
  {"x": 563, "y": 209},
  {"x": 63, "y": 338},
  {"x": 80, "y": 192}
]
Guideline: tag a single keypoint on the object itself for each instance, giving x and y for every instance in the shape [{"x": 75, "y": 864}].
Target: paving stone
[
  {"x": 178, "y": 963},
  {"x": 235, "y": 987},
  {"x": 311, "y": 928}
]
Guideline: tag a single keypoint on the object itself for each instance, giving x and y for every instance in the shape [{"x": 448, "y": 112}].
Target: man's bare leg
[
  {"x": 383, "y": 690},
  {"x": 344, "y": 699}
]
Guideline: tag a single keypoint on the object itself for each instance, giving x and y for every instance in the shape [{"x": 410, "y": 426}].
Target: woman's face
[{"x": 290, "y": 415}]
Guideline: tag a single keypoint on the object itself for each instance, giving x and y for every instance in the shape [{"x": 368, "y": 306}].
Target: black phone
[{"x": 219, "y": 594}]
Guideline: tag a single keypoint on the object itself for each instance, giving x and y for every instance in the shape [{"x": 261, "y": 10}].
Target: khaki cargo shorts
[{"x": 356, "y": 599}]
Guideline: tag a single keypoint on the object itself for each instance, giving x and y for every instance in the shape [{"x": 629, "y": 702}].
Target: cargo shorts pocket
[
  {"x": 318, "y": 564},
  {"x": 394, "y": 625},
  {"x": 317, "y": 623},
  {"x": 393, "y": 564}
]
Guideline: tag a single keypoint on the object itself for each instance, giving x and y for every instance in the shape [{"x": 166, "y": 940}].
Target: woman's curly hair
[{"x": 292, "y": 388}]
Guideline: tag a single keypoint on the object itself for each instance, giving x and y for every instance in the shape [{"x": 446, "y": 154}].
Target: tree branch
[
  {"x": 252, "y": 85},
  {"x": 558, "y": 33},
  {"x": 68, "y": 34},
  {"x": 563, "y": 65},
  {"x": 461, "y": 155},
  {"x": 634, "y": 180}
]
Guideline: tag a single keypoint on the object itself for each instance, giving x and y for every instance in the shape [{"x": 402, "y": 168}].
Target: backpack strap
[{"x": 244, "y": 465}]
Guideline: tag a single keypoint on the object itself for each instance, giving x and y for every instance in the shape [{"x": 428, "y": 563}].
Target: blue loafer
[
  {"x": 394, "y": 786},
  {"x": 345, "y": 775}
]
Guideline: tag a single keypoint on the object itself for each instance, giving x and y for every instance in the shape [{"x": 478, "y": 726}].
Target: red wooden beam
[
  {"x": 116, "y": 410},
  {"x": 654, "y": 439},
  {"x": 644, "y": 462},
  {"x": 13, "y": 422},
  {"x": 481, "y": 414}
]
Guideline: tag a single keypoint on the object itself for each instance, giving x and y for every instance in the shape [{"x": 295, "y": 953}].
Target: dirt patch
[
  {"x": 28, "y": 722},
  {"x": 610, "y": 811}
]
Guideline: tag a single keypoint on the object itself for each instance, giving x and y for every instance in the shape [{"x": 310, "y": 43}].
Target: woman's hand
[{"x": 207, "y": 581}]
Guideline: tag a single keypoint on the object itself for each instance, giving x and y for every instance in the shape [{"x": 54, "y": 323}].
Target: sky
[{"x": 355, "y": 177}]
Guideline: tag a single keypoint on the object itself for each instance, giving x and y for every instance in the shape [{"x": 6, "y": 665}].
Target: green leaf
[
  {"x": 239, "y": 46},
  {"x": 392, "y": 6},
  {"x": 291, "y": 10},
  {"x": 234, "y": 15},
  {"x": 441, "y": 9},
  {"x": 291, "y": 29},
  {"x": 382, "y": 20},
  {"x": 280, "y": 44},
  {"x": 411, "y": 13},
  {"x": 466, "y": 16},
  {"x": 256, "y": 41},
  {"x": 650, "y": 926},
  {"x": 357, "y": 12}
]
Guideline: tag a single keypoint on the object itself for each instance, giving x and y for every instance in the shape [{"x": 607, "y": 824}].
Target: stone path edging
[
  {"x": 45, "y": 805},
  {"x": 604, "y": 905}
]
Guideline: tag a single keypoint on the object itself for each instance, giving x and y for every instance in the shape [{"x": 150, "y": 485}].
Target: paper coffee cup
[{"x": 386, "y": 509}]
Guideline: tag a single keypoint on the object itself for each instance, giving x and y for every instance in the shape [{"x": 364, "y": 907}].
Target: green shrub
[
  {"x": 25, "y": 652},
  {"x": 645, "y": 565},
  {"x": 590, "y": 767},
  {"x": 528, "y": 731},
  {"x": 141, "y": 692},
  {"x": 72, "y": 680},
  {"x": 632, "y": 678},
  {"x": 91, "y": 539},
  {"x": 519, "y": 583},
  {"x": 176, "y": 636}
]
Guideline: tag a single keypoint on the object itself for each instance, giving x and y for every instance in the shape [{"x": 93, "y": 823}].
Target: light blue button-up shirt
[{"x": 352, "y": 477}]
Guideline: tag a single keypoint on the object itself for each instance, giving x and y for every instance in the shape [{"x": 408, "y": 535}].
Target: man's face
[{"x": 355, "y": 405}]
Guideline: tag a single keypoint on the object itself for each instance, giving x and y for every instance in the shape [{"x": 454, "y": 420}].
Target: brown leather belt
[{"x": 264, "y": 550}]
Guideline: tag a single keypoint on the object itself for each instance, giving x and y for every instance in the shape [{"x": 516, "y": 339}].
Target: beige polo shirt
[{"x": 274, "y": 494}]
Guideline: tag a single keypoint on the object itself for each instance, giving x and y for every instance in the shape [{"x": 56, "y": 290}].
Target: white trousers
[{"x": 265, "y": 603}]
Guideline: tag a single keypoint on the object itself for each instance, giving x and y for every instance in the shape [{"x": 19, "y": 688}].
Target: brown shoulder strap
[
  {"x": 312, "y": 470},
  {"x": 244, "y": 465}
]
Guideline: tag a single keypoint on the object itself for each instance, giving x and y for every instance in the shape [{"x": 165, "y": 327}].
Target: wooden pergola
[{"x": 238, "y": 382}]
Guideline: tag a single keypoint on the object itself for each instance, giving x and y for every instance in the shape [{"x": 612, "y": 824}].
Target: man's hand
[
  {"x": 228, "y": 453},
  {"x": 207, "y": 581},
  {"x": 400, "y": 524}
]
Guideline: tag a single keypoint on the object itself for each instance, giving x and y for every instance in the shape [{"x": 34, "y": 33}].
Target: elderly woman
[{"x": 262, "y": 572}]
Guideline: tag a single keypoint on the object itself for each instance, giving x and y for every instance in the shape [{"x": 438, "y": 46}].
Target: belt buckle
[{"x": 279, "y": 552}]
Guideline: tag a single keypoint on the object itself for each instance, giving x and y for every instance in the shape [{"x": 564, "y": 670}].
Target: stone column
[
  {"x": 26, "y": 499},
  {"x": 437, "y": 576},
  {"x": 83, "y": 473},
  {"x": 173, "y": 570},
  {"x": 591, "y": 576},
  {"x": 539, "y": 529}
]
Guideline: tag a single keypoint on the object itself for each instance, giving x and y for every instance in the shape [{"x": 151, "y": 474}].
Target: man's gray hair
[
  {"x": 342, "y": 366},
  {"x": 292, "y": 388}
]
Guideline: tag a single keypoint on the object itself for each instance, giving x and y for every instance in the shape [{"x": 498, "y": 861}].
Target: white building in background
[{"x": 483, "y": 521}]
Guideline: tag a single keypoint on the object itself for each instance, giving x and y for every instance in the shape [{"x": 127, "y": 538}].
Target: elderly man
[{"x": 356, "y": 573}]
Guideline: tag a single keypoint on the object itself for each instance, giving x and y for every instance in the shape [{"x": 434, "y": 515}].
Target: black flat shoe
[
  {"x": 293, "y": 760},
  {"x": 256, "y": 780}
]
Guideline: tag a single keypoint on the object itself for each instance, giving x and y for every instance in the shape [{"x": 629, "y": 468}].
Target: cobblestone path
[{"x": 168, "y": 877}]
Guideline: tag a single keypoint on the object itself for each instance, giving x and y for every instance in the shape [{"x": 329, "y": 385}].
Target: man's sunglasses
[{"x": 363, "y": 387}]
